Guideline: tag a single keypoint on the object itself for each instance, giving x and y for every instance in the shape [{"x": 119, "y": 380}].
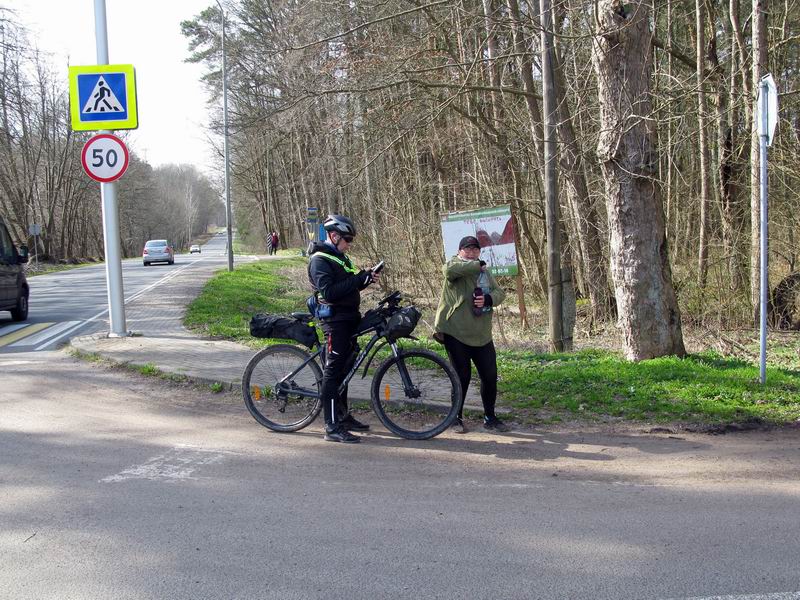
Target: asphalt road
[
  {"x": 75, "y": 302},
  {"x": 117, "y": 486}
]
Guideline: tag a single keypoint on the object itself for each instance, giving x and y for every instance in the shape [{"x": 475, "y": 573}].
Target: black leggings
[
  {"x": 340, "y": 355},
  {"x": 485, "y": 360}
]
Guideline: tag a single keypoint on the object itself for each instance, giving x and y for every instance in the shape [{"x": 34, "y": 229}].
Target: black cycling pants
[
  {"x": 485, "y": 361},
  {"x": 340, "y": 353}
]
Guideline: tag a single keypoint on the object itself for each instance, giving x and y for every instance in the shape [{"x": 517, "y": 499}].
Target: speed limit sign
[{"x": 104, "y": 157}]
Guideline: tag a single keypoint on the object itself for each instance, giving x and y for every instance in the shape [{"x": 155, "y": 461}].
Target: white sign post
[
  {"x": 108, "y": 195},
  {"x": 767, "y": 115},
  {"x": 35, "y": 230}
]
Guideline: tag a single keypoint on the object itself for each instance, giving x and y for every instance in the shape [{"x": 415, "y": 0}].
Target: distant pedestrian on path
[
  {"x": 273, "y": 242},
  {"x": 464, "y": 326}
]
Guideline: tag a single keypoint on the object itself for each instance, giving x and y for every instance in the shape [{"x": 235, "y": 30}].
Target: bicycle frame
[{"x": 410, "y": 389}]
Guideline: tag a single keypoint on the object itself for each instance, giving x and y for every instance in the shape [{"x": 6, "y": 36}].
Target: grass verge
[
  {"x": 600, "y": 385},
  {"x": 45, "y": 268},
  {"x": 228, "y": 300},
  {"x": 589, "y": 385}
]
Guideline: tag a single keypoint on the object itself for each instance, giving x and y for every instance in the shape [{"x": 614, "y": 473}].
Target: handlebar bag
[
  {"x": 402, "y": 323},
  {"x": 371, "y": 320},
  {"x": 274, "y": 326}
]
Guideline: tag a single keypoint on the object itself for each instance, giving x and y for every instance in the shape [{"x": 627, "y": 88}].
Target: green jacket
[{"x": 454, "y": 315}]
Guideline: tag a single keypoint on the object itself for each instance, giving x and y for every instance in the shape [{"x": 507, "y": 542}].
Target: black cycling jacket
[{"x": 335, "y": 285}]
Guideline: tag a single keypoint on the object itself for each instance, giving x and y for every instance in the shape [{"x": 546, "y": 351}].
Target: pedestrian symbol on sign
[
  {"x": 102, "y": 96},
  {"x": 102, "y": 99}
]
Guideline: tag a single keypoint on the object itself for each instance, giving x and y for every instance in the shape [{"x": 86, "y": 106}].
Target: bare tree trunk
[
  {"x": 587, "y": 223},
  {"x": 727, "y": 117},
  {"x": 759, "y": 40},
  {"x": 702, "y": 256},
  {"x": 554, "y": 275},
  {"x": 646, "y": 303}
]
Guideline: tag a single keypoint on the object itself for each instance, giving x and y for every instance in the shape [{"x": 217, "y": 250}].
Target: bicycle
[{"x": 415, "y": 393}]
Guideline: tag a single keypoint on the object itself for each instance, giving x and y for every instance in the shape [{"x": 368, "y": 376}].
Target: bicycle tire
[
  {"x": 416, "y": 418},
  {"x": 259, "y": 382}
]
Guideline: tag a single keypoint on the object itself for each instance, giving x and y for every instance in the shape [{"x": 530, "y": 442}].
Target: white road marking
[
  {"x": 80, "y": 324},
  {"x": 175, "y": 465},
  {"x": 776, "y": 596},
  {"x": 43, "y": 335}
]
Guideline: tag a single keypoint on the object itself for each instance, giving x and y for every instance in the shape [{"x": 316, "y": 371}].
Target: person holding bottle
[{"x": 464, "y": 325}]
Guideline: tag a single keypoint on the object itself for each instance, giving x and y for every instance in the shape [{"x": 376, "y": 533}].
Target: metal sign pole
[
  {"x": 108, "y": 194},
  {"x": 228, "y": 215},
  {"x": 763, "y": 129}
]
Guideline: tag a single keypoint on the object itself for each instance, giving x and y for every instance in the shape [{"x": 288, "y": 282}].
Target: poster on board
[{"x": 494, "y": 229}]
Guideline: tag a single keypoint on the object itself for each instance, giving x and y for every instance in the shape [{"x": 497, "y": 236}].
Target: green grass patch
[
  {"x": 704, "y": 388},
  {"x": 228, "y": 300},
  {"x": 149, "y": 369}
]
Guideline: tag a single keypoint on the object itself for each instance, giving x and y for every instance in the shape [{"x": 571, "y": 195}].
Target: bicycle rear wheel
[
  {"x": 427, "y": 406},
  {"x": 281, "y": 388}
]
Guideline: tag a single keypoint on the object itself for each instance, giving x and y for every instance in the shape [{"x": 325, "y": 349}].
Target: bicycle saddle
[{"x": 302, "y": 316}]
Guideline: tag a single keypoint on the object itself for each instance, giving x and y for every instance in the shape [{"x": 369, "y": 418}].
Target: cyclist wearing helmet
[{"x": 337, "y": 284}]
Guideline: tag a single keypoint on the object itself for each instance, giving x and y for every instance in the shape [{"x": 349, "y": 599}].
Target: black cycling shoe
[
  {"x": 343, "y": 436},
  {"x": 352, "y": 424},
  {"x": 494, "y": 424}
]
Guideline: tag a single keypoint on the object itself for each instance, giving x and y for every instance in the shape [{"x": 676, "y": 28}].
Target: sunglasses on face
[{"x": 348, "y": 238}]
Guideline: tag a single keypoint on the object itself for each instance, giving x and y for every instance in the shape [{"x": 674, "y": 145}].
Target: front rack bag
[
  {"x": 402, "y": 323},
  {"x": 274, "y": 326}
]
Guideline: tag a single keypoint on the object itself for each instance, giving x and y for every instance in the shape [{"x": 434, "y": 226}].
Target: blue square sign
[{"x": 103, "y": 97}]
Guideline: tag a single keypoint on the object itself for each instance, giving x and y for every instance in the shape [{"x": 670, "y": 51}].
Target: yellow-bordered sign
[{"x": 103, "y": 97}]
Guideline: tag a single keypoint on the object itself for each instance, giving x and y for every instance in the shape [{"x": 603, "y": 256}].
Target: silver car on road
[{"x": 158, "y": 251}]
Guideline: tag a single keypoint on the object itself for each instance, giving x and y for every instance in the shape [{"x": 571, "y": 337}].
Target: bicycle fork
[{"x": 408, "y": 386}]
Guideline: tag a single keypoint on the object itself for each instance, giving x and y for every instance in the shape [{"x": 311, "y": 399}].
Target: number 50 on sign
[{"x": 105, "y": 158}]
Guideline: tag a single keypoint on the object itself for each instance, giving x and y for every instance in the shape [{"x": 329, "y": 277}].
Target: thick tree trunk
[{"x": 646, "y": 303}]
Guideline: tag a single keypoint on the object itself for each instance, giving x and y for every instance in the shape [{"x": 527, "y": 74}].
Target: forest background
[{"x": 396, "y": 112}]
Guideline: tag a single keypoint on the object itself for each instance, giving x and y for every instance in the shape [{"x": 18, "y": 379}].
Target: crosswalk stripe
[
  {"x": 21, "y": 333},
  {"x": 44, "y": 335},
  {"x": 10, "y": 328}
]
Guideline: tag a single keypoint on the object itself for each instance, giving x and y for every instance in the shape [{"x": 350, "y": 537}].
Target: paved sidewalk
[{"x": 163, "y": 341}]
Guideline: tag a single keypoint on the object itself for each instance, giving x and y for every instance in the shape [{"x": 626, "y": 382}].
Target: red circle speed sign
[{"x": 104, "y": 157}]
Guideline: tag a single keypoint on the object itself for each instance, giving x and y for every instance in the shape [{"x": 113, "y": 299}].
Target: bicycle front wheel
[
  {"x": 416, "y": 394},
  {"x": 281, "y": 386}
]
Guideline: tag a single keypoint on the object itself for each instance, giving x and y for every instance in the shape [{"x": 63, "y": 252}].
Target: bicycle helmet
[{"x": 340, "y": 224}]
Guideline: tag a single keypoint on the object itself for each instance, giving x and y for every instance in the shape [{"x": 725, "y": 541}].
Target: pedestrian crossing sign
[{"x": 102, "y": 97}]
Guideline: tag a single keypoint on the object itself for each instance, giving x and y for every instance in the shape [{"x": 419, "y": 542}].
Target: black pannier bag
[
  {"x": 273, "y": 326},
  {"x": 402, "y": 323}
]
